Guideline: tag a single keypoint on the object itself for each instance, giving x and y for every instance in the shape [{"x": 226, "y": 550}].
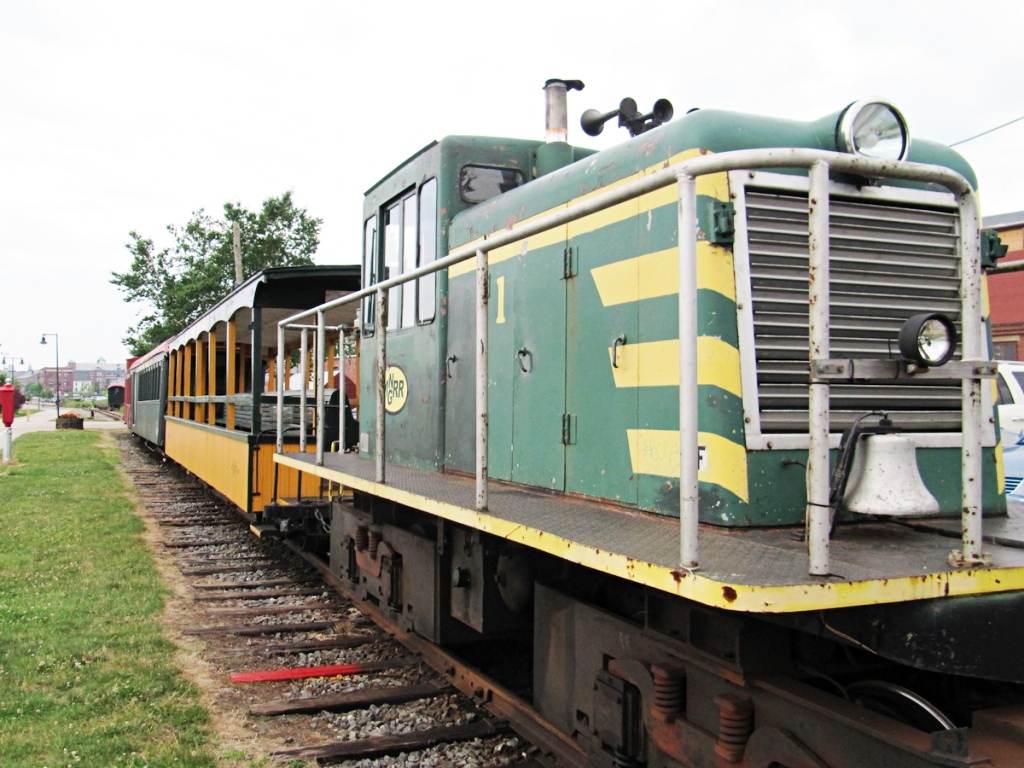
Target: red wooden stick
[{"x": 296, "y": 673}]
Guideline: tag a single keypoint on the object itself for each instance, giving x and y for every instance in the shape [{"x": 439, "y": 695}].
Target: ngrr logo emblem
[{"x": 396, "y": 389}]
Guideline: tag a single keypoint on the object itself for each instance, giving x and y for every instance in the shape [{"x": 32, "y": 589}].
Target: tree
[
  {"x": 180, "y": 283},
  {"x": 36, "y": 389}
]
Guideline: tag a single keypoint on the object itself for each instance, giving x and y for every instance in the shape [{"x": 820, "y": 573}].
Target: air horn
[{"x": 629, "y": 116}]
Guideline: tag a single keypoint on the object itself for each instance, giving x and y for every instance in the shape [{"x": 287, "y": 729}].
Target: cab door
[
  {"x": 603, "y": 359},
  {"x": 537, "y": 361}
]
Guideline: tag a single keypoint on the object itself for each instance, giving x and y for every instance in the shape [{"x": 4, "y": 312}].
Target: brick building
[
  {"x": 1006, "y": 291},
  {"x": 75, "y": 378},
  {"x": 49, "y": 376}
]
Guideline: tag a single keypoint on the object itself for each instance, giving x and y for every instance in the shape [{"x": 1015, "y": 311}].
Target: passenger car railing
[{"x": 684, "y": 174}]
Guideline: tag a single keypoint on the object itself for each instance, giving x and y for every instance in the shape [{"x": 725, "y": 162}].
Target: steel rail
[{"x": 485, "y": 692}]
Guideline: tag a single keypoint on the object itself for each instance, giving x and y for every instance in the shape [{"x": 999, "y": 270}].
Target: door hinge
[
  {"x": 570, "y": 259},
  {"x": 568, "y": 429}
]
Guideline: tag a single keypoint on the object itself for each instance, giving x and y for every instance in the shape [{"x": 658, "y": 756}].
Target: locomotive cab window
[
  {"x": 480, "y": 182},
  {"x": 409, "y": 241},
  {"x": 369, "y": 271}
]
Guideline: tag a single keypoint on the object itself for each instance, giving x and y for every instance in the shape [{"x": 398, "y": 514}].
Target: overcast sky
[{"x": 120, "y": 116}]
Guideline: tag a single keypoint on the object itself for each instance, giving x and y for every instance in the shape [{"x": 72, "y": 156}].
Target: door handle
[
  {"x": 448, "y": 365},
  {"x": 522, "y": 354},
  {"x": 620, "y": 341}
]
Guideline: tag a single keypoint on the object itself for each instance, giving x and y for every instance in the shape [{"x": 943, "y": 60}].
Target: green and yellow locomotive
[{"x": 707, "y": 418}]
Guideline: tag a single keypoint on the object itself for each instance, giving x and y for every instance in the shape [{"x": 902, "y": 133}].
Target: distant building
[
  {"x": 1006, "y": 291},
  {"x": 96, "y": 377},
  {"x": 75, "y": 378},
  {"x": 50, "y": 376}
]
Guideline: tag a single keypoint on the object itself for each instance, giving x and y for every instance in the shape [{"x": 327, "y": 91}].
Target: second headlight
[{"x": 928, "y": 339}]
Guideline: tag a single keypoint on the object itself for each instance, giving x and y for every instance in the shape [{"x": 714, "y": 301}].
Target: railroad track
[{"x": 323, "y": 676}]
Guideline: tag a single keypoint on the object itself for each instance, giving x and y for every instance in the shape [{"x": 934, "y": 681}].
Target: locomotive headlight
[
  {"x": 875, "y": 128},
  {"x": 928, "y": 340}
]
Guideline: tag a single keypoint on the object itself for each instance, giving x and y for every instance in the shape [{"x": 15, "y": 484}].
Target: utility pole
[{"x": 237, "y": 231}]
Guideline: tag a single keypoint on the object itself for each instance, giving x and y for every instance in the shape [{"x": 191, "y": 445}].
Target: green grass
[{"x": 86, "y": 678}]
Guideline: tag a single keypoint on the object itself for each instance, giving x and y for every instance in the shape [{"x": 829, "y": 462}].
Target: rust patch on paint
[{"x": 729, "y": 594}]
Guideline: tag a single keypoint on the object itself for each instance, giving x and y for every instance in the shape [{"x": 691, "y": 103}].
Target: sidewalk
[{"x": 44, "y": 420}]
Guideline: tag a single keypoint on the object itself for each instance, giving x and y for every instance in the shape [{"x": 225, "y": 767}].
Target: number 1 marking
[{"x": 501, "y": 299}]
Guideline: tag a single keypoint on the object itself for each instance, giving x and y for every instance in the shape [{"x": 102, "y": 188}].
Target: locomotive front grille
[{"x": 888, "y": 261}]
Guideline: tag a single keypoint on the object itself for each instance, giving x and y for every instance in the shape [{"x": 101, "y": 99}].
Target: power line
[{"x": 984, "y": 133}]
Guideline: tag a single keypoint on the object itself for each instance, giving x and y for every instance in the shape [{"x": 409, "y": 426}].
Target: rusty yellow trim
[
  {"x": 656, "y": 364},
  {"x": 713, "y": 185},
  {"x": 656, "y": 452},
  {"x": 693, "y": 585},
  {"x": 657, "y": 274}
]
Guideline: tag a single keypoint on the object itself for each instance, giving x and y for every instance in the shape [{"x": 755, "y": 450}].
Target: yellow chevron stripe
[
  {"x": 657, "y": 274},
  {"x": 656, "y": 364},
  {"x": 713, "y": 185},
  {"x": 656, "y": 452}
]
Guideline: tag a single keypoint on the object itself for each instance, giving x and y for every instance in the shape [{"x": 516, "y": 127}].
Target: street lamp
[
  {"x": 3, "y": 364},
  {"x": 56, "y": 349}
]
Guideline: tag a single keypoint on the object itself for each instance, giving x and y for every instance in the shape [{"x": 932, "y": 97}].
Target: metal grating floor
[{"x": 755, "y": 557}]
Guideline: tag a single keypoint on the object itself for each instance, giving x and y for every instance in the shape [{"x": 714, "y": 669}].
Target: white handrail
[{"x": 683, "y": 173}]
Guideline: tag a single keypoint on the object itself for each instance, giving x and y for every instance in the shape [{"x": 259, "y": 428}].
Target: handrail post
[
  {"x": 481, "y": 379},
  {"x": 318, "y": 390},
  {"x": 303, "y": 382},
  {"x": 818, "y": 476},
  {"x": 972, "y": 419},
  {"x": 280, "y": 389},
  {"x": 381, "y": 331},
  {"x": 689, "y": 498}
]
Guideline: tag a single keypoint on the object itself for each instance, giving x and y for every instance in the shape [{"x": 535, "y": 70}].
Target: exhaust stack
[{"x": 556, "y": 153}]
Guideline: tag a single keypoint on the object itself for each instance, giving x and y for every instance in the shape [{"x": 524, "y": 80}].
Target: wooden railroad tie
[
  {"x": 270, "y": 610},
  {"x": 326, "y": 644},
  {"x": 186, "y": 544},
  {"x": 260, "y": 594},
  {"x": 343, "y": 702},
  {"x": 255, "y": 583},
  {"x": 261, "y": 629},
  {"x": 248, "y": 567},
  {"x": 392, "y": 745}
]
